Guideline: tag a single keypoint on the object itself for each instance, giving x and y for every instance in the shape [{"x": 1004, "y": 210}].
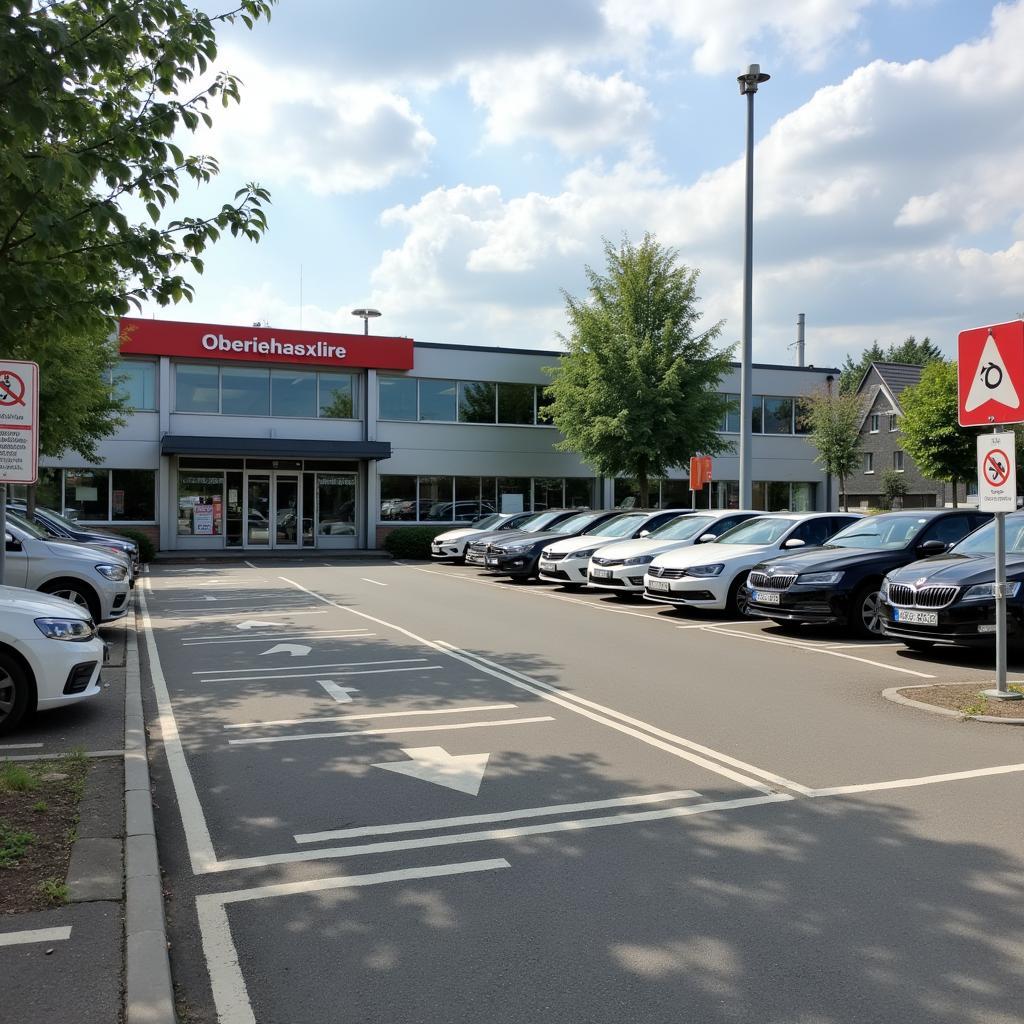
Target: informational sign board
[
  {"x": 700, "y": 472},
  {"x": 990, "y": 375},
  {"x": 997, "y": 472},
  {"x": 19, "y": 422},
  {"x": 512, "y": 503},
  {"x": 202, "y": 520}
]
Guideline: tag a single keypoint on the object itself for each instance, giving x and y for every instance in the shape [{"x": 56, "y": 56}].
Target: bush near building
[{"x": 412, "y": 541}]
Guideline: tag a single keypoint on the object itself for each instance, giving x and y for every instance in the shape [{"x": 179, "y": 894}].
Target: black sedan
[
  {"x": 951, "y": 599},
  {"x": 840, "y": 582},
  {"x": 518, "y": 556}
]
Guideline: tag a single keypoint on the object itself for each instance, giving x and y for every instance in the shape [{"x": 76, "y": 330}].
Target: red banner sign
[
  {"x": 263, "y": 345},
  {"x": 700, "y": 472}
]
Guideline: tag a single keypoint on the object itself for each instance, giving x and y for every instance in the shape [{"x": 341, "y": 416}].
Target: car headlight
[
  {"x": 987, "y": 592},
  {"x": 116, "y": 573},
  {"x": 821, "y": 578},
  {"x": 883, "y": 591},
  {"x": 66, "y": 629},
  {"x": 639, "y": 560},
  {"x": 715, "y": 569},
  {"x": 515, "y": 549},
  {"x": 589, "y": 553}
]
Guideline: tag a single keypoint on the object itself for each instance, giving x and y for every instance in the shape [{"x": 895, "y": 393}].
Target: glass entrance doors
[
  {"x": 287, "y": 514},
  {"x": 292, "y": 510},
  {"x": 257, "y": 510},
  {"x": 273, "y": 511}
]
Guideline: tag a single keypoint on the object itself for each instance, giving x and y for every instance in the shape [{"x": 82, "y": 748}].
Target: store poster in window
[{"x": 202, "y": 520}]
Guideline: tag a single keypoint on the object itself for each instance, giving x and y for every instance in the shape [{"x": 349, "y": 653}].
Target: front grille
[
  {"x": 79, "y": 676},
  {"x": 606, "y": 561},
  {"x": 661, "y": 573},
  {"x": 903, "y": 595},
  {"x": 550, "y": 556},
  {"x": 558, "y": 574},
  {"x": 763, "y": 581},
  {"x": 610, "y": 582}
]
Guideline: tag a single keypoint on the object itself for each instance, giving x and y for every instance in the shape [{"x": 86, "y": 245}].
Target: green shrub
[
  {"x": 146, "y": 548},
  {"x": 412, "y": 541}
]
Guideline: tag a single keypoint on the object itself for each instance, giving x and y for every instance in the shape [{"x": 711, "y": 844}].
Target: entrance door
[
  {"x": 287, "y": 514},
  {"x": 257, "y": 510},
  {"x": 273, "y": 510}
]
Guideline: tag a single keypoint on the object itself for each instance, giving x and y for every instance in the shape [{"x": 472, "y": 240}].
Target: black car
[
  {"x": 951, "y": 600},
  {"x": 62, "y": 528},
  {"x": 839, "y": 583},
  {"x": 535, "y": 523},
  {"x": 517, "y": 556}
]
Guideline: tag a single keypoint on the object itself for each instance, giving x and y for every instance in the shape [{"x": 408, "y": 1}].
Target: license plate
[
  {"x": 492, "y": 561},
  {"x": 601, "y": 574},
  {"x": 765, "y": 597},
  {"x": 915, "y": 618},
  {"x": 547, "y": 566},
  {"x": 436, "y": 548},
  {"x": 660, "y": 585}
]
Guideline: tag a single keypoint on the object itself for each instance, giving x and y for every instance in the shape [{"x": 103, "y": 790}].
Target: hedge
[
  {"x": 411, "y": 541},
  {"x": 146, "y": 548}
]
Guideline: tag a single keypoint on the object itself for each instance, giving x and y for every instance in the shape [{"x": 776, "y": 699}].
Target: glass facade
[
  {"x": 135, "y": 381},
  {"x": 200, "y": 503},
  {"x": 101, "y": 495},
  {"x": 397, "y": 398},
  {"x": 769, "y": 414},
  {"x": 767, "y": 496},
  {"x": 464, "y": 401}
]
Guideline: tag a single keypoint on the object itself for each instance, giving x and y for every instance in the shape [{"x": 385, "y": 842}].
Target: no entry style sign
[
  {"x": 19, "y": 422},
  {"x": 997, "y": 472}
]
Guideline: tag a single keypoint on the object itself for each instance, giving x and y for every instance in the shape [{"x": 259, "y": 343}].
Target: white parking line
[
  {"x": 284, "y": 668},
  {"x": 331, "y": 672},
  {"x": 924, "y": 780},
  {"x": 230, "y": 996},
  {"x": 376, "y": 582},
  {"x": 35, "y": 935},
  {"x": 387, "y": 730},
  {"x": 483, "y": 819},
  {"x": 327, "y": 635},
  {"x": 19, "y": 746},
  {"x": 311, "y": 631},
  {"x": 374, "y": 714}
]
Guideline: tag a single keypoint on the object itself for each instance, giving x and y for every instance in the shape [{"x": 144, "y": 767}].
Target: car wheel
[
  {"x": 919, "y": 645},
  {"x": 739, "y": 598},
  {"x": 866, "y": 611},
  {"x": 76, "y": 593},
  {"x": 14, "y": 693}
]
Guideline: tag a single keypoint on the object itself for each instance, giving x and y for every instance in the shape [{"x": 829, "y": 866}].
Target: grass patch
[
  {"x": 14, "y": 844},
  {"x": 14, "y": 778},
  {"x": 40, "y": 807},
  {"x": 979, "y": 706},
  {"x": 54, "y": 891}
]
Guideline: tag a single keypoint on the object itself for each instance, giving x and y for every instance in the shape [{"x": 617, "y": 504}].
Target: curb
[
  {"x": 896, "y": 697},
  {"x": 149, "y": 992}
]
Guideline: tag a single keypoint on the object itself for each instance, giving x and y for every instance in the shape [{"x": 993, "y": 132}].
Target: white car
[
  {"x": 98, "y": 581},
  {"x": 452, "y": 543},
  {"x": 566, "y": 561},
  {"x": 50, "y": 654},
  {"x": 713, "y": 575},
  {"x": 621, "y": 567}
]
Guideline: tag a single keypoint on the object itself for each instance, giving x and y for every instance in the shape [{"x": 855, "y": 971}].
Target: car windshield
[
  {"x": 482, "y": 524},
  {"x": 983, "y": 540},
  {"x": 574, "y": 524},
  {"x": 756, "y": 531},
  {"x": 682, "y": 528},
  {"x": 30, "y": 528},
  {"x": 63, "y": 520},
  {"x": 620, "y": 526},
  {"x": 882, "y": 533},
  {"x": 537, "y": 522}
]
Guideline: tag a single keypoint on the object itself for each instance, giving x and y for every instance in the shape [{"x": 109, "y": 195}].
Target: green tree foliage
[
  {"x": 893, "y": 487},
  {"x": 910, "y": 351},
  {"x": 932, "y": 437},
  {"x": 833, "y": 421},
  {"x": 637, "y": 391}
]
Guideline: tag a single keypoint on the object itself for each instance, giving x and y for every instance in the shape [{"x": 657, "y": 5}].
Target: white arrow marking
[
  {"x": 463, "y": 772},
  {"x": 295, "y": 650},
  {"x": 342, "y": 694},
  {"x": 991, "y": 380},
  {"x": 208, "y": 597},
  {"x": 253, "y": 623}
]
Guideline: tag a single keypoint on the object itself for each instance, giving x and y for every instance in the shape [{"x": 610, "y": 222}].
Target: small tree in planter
[{"x": 894, "y": 489}]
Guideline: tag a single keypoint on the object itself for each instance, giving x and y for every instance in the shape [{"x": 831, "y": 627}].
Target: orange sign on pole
[{"x": 700, "y": 472}]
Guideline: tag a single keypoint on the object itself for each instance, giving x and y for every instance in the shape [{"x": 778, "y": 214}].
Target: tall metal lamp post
[
  {"x": 366, "y": 315},
  {"x": 748, "y": 86}
]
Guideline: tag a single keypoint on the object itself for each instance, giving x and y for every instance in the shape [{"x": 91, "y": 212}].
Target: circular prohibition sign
[
  {"x": 12, "y": 389},
  {"x": 996, "y": 467}
]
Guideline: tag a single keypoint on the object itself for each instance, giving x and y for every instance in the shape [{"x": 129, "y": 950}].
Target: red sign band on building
[{"x": 141, "y": 337}]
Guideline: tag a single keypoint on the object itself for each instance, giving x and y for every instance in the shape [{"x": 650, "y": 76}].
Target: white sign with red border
[
  {"x": 19, "y": 422},
  {"x": 997, "y": 472}
]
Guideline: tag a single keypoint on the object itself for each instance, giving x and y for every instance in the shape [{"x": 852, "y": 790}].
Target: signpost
[
  {"x": 700, "y": 474},
  {"x": 990, "y": 377},
  {"x": 19, "y": 433}
]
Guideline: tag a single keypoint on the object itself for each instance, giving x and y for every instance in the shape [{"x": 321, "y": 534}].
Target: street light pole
[
  {"x": 748, "y": 86},
  {"x": 366, "y": 315}
]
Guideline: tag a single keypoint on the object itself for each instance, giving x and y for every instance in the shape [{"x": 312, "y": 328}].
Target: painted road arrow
[
  {"x": 255, "y": 623},
  {"x": 295, "y": 650},
  {"x": 464, "y": 772},
  {"x": 342, "y": 694}
]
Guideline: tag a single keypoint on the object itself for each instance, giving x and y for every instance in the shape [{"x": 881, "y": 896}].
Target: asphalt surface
[{"x": 403, "y": 793}]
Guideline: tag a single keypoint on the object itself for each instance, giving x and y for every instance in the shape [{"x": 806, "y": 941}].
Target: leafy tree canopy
[
  {"x": 637, "y": 391},
  {"x": 833, "y": 422},
  {"x": 909, "y": 351}
]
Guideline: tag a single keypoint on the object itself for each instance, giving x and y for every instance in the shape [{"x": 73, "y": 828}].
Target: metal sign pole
[
  {"x": 1001, "y": 602},
  {"x": 3, "y": 530}
]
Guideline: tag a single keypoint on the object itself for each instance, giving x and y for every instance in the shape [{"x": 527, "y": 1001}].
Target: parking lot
[{"x": 413, "y": 792}]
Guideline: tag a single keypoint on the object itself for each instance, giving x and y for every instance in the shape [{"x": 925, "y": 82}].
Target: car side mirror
[
  {"x": 10, "y": 543},
  {"x": 706, "y": 538},
  {"x": 794, "y": 542},
  {"x": 644, "y": 533},
  {"x": 931, "y": 547}
]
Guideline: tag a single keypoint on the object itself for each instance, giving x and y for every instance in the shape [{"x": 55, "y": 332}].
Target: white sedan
[
  {"x": 620, "y": 567},
  {"x": 566, "y": 561},
  {"x": 452, "y": 543},
  {"x": 713, "y": 575},
  {"x": 50, "y": 654}
]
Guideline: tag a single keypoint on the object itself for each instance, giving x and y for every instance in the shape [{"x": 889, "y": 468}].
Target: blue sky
[{"x": 456, "y": 164}]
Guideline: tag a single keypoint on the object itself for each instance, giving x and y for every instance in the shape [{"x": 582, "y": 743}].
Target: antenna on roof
[{"x": 799, "y": 343}]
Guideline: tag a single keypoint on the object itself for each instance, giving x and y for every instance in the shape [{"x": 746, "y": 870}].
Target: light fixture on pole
[
  {"x": 366, "y": 315},
  {"x": 748, "y": 86}
]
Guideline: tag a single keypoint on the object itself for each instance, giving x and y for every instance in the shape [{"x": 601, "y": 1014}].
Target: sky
[{"x": 456, "y": 164}]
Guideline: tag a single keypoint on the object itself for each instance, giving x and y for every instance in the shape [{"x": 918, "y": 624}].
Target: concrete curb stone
[{"x": 893, "y": 694}]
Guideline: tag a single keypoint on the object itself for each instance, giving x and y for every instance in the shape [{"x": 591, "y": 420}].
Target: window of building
[
  {"x": 398, "y": 498},
  {"x": 756, "y": 414},
  {"x": 897, "y": 461},
  {"x": 476, "y": 402},
  {"x": 132, "y": 495},
  {"x": 515, "y": 403},
  {"x": 396, "y": 398},
  {"x": 514, "y": 494},
  {"x": 200, "y": 503},
  {"x": 470, "y": 499},
  {"x": 292, "y": 393},
  {"x": 731, "y": 419},
  {"x": 893, "y": 426},
  {"x": 869, "y": 462},
  {"x": 336, "y": 504},
  {"x": 675, "y": 494},
  {"x": 544, "y": 400},
  {"x": 778, "y": 415},
  {"x": 245, "y": 391},
  {"x": 196, "y": 388},
  {"x": 437, "y": 400},
  {"x": 802, "y": 497},
  {"x": 48, "y": 489},
  {"x": 802, "y": 417},
  {"x": 135, "y": 380},
  {"x": 579, "y": 492},
  {"x": 86, "y": 494},
  {"x": 436, "y": 497},
  {"x": 548, "y": 493},
  {"x": 778, "y": 496},
  {"x": 337, "y": 395},
  {"x": 874, "y": 422}
]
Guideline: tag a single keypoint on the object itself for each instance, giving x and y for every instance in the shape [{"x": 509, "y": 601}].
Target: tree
[
  {"x": 92, "y": 96},
  {"x": 893, "y": 487},
  {"x": 932, "y": 437},
  {"x": 637, "y": 391},
  {"x": 833, "y": 421},
  {"x": 910, "y": 351}
]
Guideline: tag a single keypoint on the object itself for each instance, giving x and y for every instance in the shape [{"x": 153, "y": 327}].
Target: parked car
[
  {"x": 535, "y": 522},
  {"x": 712, "y": 575},
  {"x": 519, "y": 555},
  {"x": 566, "y": 561},
  {"x": 50, "y": 654},
  {"x": 950, "y": 598},
  {"x": 61, "y": 527},
  {"x": 97, "y": 581},
  {"x": 621, "y": 567},
  {"x": 840, "y": 582},
  {"x": 452, "y": 544}
]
